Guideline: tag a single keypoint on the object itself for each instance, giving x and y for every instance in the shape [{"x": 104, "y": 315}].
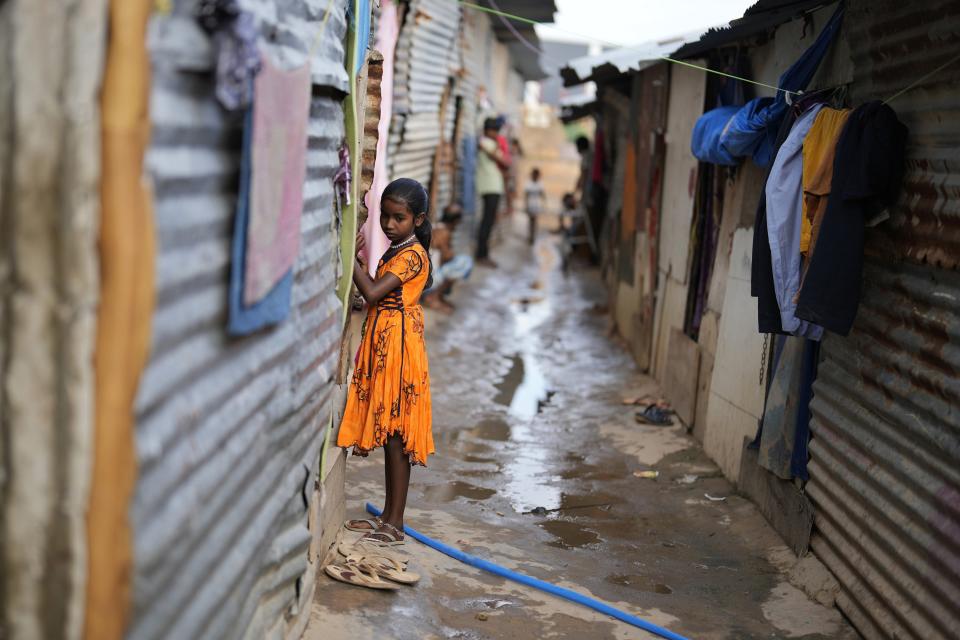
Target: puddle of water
[
  {"x": 524, "y": 388},
  {"x": 479, "y": 459},
  {"x": 456, "y": 489},
  {"x": 490, "y": 429},
  {"x": 569, "y": 535},
  {"x": 640, "y": 583}
]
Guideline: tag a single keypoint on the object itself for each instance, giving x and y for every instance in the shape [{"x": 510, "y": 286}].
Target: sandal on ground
[
  {"x": 654, "y": 415},
  {"x": 361, "y": 576},
  {"x": 386, "y": 536},
  {"x": 363, "y": 526},
  {"x": 369, "y": 547},
  {"x": 386, "y": 567}
]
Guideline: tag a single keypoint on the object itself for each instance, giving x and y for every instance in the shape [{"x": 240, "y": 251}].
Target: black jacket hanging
[{"x": 867, "y": 173}]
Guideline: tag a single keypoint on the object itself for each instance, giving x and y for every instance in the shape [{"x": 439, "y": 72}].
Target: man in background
[{"x": 491, "y": 165}]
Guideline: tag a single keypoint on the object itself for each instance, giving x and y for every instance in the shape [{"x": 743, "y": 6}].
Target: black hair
[
  {"x": 536, "y": 172},
  {"x": 414, "y": 197},
  {"x": 491, "y": 123},
  {"x": 583, "y": 143}
]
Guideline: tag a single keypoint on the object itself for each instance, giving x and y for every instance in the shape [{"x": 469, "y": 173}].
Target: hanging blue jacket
[{"x": 751, "y": 131}]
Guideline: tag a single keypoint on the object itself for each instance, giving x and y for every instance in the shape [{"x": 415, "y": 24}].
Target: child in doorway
[
  {"x": 533, "y": 197},
  {"x": 388, "y": 404},
  {"x": 452, "y": 267}
]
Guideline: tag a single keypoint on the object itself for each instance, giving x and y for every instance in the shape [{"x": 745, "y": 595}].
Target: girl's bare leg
[
  {"x": 387, "y": 482},
  {"x": 398, "y": 481}
]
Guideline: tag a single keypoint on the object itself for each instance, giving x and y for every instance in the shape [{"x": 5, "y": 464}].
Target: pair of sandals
[
  {"x": 369, "y": 568},
  {"x": 376, "y": 531},
  {"x": 369, "y": 560}
]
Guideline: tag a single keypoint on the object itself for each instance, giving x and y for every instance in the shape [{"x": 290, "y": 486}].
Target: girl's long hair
[{"x": 414, "y": 196}]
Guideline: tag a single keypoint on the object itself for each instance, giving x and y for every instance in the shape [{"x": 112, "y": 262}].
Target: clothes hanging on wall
[
  {"x": 819, "y": 148},
  {"x": 761, "y": 270},
  {"x": 281, "y": 110},
  {"x": 722, "y": 136},
  {"x": 705, "y": 231},
  {"x": 784, "y": 429},
  {"x": 784, "y": 210},
  {"x": 275, "y": 305},
  {"x": 867, "y": 173},
  {"x": 234, "y": 33}
]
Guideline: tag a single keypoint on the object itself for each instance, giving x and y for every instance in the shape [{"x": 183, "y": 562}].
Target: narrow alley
[
  {"x": 665, "y": 295},
  {"x": 535, "y": 463}
]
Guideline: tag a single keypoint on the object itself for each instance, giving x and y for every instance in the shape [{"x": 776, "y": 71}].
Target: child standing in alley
[
  {"x": 533, "y": 198},
  {"x": 389, "y": 398}
]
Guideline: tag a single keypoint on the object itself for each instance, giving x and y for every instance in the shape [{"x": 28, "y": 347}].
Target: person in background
[
  {"x": 585, "y": 190},
  {"x": 451, "y": 267},
  {"x": 512, "y": 180},
  {"x": 491, "y": 165},
  {"x": 533, "y": 201},
  {"x": 583, "y": 182}
]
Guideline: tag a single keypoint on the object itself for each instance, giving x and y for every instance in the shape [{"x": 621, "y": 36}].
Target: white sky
[{"x": 630, "y": 22}]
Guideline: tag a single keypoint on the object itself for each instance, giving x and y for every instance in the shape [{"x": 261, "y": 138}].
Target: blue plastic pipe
[{"x": 503, "y": 572}]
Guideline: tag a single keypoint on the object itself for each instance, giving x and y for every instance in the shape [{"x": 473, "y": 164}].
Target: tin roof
[{"x": 623, "y": 60}]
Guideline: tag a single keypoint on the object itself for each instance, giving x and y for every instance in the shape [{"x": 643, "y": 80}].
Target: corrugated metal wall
[
  {"x": 425, "y": 58},
  {"x": 884, "y": 472},
  {"x": 475, "y": 38},
  {"x": 229, "y": 431}
]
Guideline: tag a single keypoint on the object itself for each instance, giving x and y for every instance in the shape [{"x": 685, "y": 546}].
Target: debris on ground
[
  {"x": 646, "y": 474},
  {"x": 538, "y": 511},
  {"x": 689, "y": 478},
  {"x": 714, "y": 498},
  {"x": 483, "y": 616}
]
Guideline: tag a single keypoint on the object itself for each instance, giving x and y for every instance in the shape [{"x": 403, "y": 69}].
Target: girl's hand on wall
[{"x": 361, "y": 249}]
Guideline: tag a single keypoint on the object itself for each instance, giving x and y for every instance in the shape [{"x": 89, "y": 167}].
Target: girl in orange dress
[{"x": 389, "y": 398}]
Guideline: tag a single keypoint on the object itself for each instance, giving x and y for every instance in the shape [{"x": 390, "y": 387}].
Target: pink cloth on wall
[
  {"x": 388, "y": 30},
  {"x": 281, "y": 109}
]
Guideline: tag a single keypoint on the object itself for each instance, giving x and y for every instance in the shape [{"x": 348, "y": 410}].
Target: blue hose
[{"x": 503, "y": 572}]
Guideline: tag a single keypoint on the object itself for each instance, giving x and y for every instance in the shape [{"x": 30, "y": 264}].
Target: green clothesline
[{"x": 529, "y": 21}]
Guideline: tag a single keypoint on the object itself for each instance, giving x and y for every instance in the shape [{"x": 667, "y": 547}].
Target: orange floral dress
[{"x": 390, "y": 387}]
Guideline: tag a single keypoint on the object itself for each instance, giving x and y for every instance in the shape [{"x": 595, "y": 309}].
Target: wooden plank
[
  {"x": 683, "y": 373},
  {"x": 782, "y": 503},
  {"x": 353, "y": 125}
]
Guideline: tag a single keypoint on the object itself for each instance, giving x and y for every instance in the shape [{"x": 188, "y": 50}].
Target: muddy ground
[{"x": 536, "y": 456}]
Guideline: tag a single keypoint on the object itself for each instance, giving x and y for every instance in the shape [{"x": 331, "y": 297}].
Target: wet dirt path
[{"x": 534, "y": 470}]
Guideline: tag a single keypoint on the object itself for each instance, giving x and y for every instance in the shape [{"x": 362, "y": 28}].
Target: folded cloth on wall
[
  {"x": 273, "y": 307},
  {"x": 819, "y": 148},
  {"x": 784, "y": 429},
  {"x": 867, "y": 174},
  {"x": 784, "y": 210},
  {"x": 281, "y": 110}
]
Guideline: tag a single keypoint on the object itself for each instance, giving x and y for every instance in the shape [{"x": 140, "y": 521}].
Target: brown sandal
[
  {"x": 372, "y": 525},
  {"x": 359, "y": 575},
  {"x": 385, "y": 566},
  {"x": 386, "y": 536}
]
